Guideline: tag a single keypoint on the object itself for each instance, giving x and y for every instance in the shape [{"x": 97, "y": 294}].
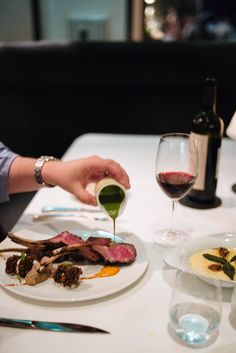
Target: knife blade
[
  {"x": 68, "y": 209},
  {"x": 45, "y": 216},
  {"x": 49, "y": 326}
]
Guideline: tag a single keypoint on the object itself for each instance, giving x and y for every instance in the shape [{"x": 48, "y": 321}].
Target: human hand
[{"x": 74, "y": 176}]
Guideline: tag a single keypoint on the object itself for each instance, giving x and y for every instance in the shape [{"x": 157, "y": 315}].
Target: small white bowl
[{"x": 178, "y": 257}]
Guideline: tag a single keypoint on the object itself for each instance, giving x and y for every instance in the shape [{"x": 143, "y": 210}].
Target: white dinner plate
[
  {"x": 88, "y": 289},
  {"x": 178, "y": 257}
]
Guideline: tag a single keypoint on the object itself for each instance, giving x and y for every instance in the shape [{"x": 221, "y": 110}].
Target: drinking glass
[
  {"x": 176, "y": 172},
  {"x": 195, "y": 309},
  {"x": 233, "y": 303}
]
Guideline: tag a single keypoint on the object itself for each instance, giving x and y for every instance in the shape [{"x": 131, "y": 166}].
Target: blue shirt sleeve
[{"x": 6, "y": 159}]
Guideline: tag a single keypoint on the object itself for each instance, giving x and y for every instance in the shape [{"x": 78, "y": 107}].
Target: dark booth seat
[{"x": 52, "y": 93}]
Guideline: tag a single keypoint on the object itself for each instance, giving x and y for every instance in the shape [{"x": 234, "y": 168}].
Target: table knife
[
  {"x": 45, "y": 216},
  {"x": 49, "y": 326},
  {"x": 68, "y": 209}
]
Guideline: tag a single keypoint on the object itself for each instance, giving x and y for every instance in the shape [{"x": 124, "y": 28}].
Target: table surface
[{"x": 137, "y": 317}]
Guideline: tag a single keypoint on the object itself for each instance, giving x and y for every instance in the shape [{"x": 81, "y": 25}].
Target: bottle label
[{"x": 202, "y": 146}]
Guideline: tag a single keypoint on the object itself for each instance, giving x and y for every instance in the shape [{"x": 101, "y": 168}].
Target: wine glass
[{"x": 176, "y": 172}]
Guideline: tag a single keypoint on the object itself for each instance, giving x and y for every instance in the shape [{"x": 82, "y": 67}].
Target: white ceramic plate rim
[
  {"x": 178, "y": 256},
  {"x": 88, "y": 289}
]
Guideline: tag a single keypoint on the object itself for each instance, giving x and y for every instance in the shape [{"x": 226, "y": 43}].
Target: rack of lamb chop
[{"x": 37, "y": 256}]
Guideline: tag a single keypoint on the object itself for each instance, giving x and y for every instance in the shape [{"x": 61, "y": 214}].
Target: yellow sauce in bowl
[{"x": 201, "y": 265}]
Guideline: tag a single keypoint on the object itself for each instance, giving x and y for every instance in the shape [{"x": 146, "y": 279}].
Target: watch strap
[{"x": 38, "y": 169}]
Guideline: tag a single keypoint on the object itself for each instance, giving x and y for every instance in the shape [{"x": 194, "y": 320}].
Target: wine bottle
[{"x": 207, "y": 129}]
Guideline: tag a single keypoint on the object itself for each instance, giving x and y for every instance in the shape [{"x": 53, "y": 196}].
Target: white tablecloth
[{"x": 137, "y": 317}]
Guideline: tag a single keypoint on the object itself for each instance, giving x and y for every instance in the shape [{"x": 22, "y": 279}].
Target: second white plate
[{"x": 178, "y": 257}]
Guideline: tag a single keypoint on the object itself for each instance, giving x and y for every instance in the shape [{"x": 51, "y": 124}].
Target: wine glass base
[
  {"x": 164, "y": 223},
  {"x": 166, "y": 240},
  {"x": 187, "y": 201}
]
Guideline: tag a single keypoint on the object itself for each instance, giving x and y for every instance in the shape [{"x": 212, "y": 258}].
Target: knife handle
[{"x": 16, "y": 323}]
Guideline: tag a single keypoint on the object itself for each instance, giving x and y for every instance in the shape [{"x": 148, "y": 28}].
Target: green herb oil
[{"x": 111, "y": 198}]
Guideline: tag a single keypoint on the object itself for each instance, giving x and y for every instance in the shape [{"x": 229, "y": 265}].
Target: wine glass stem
[{"x": 171, "y": 231}]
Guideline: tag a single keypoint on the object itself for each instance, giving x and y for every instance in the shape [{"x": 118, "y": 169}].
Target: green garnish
[
  {"x": 67, "y": 263},
  {"x": 23, "y": 256},
  {"x": 233, "y": 258},
  {"x": 227, "y": 268},
  {"x": 214, "y": 258},
  {"x": 19, "y": 278}
]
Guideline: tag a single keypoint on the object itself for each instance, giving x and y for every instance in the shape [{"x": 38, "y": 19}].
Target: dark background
[{"x": 50, "y": 94}]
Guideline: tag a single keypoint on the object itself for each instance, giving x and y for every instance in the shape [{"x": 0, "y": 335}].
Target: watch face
[
  {"x": 38, "y": 169},
  {"x": 39, "y": 163}
]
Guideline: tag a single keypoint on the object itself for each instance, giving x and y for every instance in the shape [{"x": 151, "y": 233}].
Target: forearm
[
  {"x": 21, "y": 175},
  {"x": 72, "y": 176}
]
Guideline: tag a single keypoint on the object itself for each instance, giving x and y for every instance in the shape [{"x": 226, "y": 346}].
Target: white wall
[
  {"x": 15, "y": 20},
  {"x": 55, "y": 14}
]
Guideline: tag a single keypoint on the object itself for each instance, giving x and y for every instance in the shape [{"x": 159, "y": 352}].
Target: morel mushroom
[
  {"x": 19, "y": 265},
  {"x": 67, "y": 275}
]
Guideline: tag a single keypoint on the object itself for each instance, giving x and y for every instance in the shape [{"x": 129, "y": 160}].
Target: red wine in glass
[{"x": 175, "y": 184}]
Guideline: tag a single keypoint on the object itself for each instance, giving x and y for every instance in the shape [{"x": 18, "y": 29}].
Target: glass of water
[
  {"x": 233, "y": 303},
  {"x": 195, "y": 309}
]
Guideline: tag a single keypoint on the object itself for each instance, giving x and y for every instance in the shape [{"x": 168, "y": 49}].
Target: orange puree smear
[{"x": 106, "y": 271}]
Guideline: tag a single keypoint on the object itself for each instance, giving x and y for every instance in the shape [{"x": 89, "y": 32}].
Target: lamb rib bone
[
  {"x": 62, "y": 251},
  {"x": 66, "y": 242},
  {"x": 13, "y": 250},
  {"x": 26, "y": 242},
  {"x": 59, "y": 240}
]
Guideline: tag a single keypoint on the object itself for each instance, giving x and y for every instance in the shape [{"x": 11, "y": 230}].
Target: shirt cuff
[{"x": 6, "y": 160}]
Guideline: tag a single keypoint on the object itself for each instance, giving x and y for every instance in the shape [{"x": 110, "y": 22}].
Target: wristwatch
[{"x": 38, "y": 169}]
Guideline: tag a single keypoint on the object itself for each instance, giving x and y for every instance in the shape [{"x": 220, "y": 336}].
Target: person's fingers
[
  {"x": 126, "y": 179},
  {"x": 107, "y": 167},
  {"x": 113, "y": 168},
  {"x": 84, "y": 196}
]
